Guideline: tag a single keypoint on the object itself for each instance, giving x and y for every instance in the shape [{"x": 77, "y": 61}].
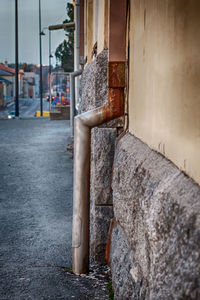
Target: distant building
[
  {"x": 7, "y": 83},
  {"x": 30, "y": 85}
]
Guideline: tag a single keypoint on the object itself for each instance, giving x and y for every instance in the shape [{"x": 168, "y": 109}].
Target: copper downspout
[{"x": 82, "y": 135}]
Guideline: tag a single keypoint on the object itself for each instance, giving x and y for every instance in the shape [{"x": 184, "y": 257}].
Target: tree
[
  {"x": 25, "y": 67},
  {"x": 65, "y": 51}
]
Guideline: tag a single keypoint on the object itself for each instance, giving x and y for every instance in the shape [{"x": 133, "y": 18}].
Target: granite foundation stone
[
  {"x": 158, "y": 207},
  {"x": 126, "y": 274},
  {"x": 101, "y": 216},
  {"x": 102, "y": 155},
  {"x": 94, "y": 83}
]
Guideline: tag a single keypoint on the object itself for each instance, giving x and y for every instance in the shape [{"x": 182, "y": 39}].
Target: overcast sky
[{"x": 52, "y": 11}]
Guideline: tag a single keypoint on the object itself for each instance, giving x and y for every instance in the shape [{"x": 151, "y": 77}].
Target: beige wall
[
  {"x": 95, "y": 26},
  {"x": 102, "y": 25},
  {"x": 164, "y": 98},
  {"x": 90, "y": 28},
  {"x": 96, "y": 5}
]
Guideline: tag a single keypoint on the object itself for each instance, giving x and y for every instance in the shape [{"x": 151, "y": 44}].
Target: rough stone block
[
  {"x": 126, "y": 275},
  {"x": 158, "y": 208},
  {"x": 94, "y": 83},
  {"x": 102, "y": 155},
  {"x": 101, "y": 216}
]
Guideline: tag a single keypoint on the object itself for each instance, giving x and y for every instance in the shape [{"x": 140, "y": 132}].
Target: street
[
  {"x": 27, "y": 108},
  {"x": 36, "y": 213}
]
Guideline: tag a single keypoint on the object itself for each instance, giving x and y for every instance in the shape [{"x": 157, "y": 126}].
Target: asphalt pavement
[{"x": 36, "y": 178}]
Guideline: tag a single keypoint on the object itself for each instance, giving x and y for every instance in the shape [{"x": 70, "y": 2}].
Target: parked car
[
  {"x": 65, "y": 102},
  {"x": 11, "y": 115}
]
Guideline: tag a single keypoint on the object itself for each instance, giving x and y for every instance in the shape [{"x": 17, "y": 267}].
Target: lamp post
[
  {"x": 40, "y": 43},
  {"x": 16, "y": 62},
  {"x": 50, "y": 57}
]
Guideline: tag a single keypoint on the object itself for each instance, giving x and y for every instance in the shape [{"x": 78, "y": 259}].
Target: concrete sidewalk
[{"x": 36, "y": 214}]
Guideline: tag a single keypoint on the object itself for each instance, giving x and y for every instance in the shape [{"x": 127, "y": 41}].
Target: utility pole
[
  {"x": 16, "y": 62},
  {"x": 40, "y": 42},
  {"x": 50, "y": 57}
]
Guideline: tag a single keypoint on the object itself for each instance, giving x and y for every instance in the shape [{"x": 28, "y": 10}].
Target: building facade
[
  {"x": 141, "y": 71},
  {"x": 7, "y": 81},
  {"x": 30, "y": 85},
  {"x": 7, "y": 76}
]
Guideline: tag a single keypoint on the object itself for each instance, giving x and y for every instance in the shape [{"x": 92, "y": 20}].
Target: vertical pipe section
[
  {"x": 81, "y": 209},
  {"x": 82, "y": 131},
  {"x": 72, "y": 98},
  {"x": 77, "y": 47},
  {"x": 16, "y": 62},
  {"x": 80, "y": 237}
]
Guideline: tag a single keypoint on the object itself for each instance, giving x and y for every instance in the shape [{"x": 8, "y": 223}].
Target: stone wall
[
  {"x": 155, "y": 250},
  {"x": 102, "y": 155},
  {"x": 94, "y": 94},
  {"x": 94, "y": 91}
]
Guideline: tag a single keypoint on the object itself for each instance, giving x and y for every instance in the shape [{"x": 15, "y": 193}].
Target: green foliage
[
  {"x": 65, "y": 51},
  {"x": 110, "y": 290},
  {"x": 67, "y": 270}
]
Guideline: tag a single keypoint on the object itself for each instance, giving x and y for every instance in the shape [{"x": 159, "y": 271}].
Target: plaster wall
[
  {"x": 164, "y": 95},
  {"x": 89, "y": 30},
  {"x": 96, "y": 26},
  {"x": 102, "y": 42}
]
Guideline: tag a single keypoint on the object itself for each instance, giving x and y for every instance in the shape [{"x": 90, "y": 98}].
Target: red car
[{"x": 65, "y": 102}]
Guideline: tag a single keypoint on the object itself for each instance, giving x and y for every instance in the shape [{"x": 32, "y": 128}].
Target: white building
[{"x": 31, "y": 85}]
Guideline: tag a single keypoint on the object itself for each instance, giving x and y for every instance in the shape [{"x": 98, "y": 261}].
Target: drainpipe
[
  {"x": 74, "y": 88},
  {"x": 77, "y": 47},
  {"x": 72, "y": 98},
  {"x": 82, "y": 134}
]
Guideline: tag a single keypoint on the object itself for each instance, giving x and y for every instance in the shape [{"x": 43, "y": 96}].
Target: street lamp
[
  {"x": 40, "y": 43},
  {"x": 50, "y": 57},
  {"x": 16, "y": 62}
]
